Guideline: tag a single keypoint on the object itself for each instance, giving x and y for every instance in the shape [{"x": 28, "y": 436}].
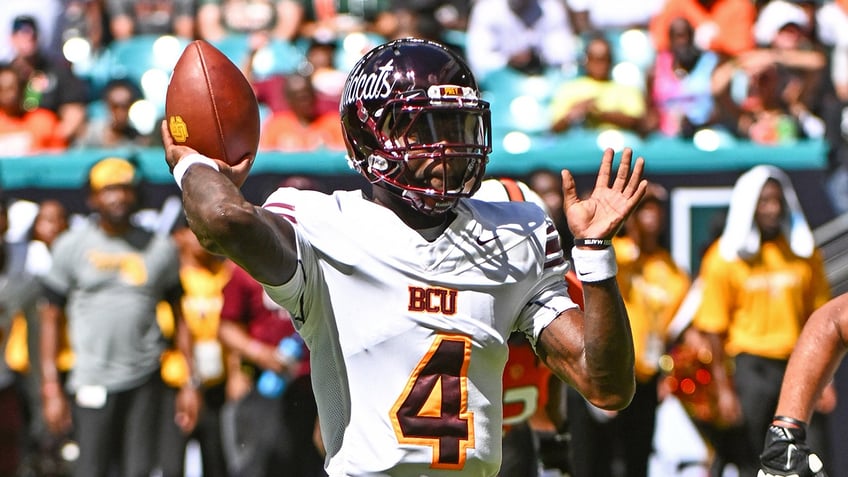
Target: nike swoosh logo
[{"x": 481, "y": 241}]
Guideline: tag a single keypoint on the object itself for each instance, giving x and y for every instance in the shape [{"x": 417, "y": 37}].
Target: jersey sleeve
[
  {"x": 290, "y": 295},
  {"x": 550, "y": 295}
]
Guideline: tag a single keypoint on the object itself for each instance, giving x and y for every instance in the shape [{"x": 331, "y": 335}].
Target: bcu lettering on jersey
[{"x": 432, "y": 300}]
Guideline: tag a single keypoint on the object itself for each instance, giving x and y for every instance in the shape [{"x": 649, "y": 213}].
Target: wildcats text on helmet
[{"x": 369, "y": 86}]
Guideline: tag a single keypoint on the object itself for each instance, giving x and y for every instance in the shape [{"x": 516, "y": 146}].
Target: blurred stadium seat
[
  {"x": 520, "y": 102},
  {"x": 234, "y": 46},
  {"x": 146, "y": 60},
  {"x": 277, "y": 57},
  {"x": 352, "y": 46},
  {"x": 633, "y": 55}
]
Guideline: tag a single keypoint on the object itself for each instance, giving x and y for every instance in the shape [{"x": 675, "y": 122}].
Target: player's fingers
[
  {"x": 623, "y": 170},
  {"x": 569, "y": 190},
  {"x": 602, "y": 182},
  {"x": 638, "y": 194},
  {"x": 635, "y": 178},
  {"x": 167, "y": 140}
]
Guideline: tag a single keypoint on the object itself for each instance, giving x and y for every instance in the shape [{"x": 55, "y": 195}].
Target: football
[{"x": 210, "y": 106}]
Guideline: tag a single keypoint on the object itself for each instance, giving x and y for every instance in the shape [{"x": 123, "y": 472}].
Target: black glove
[{"x": 786, "y": 454}]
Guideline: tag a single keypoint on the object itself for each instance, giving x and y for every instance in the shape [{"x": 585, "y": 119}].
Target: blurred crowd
[{"x": 93, "y": 73}]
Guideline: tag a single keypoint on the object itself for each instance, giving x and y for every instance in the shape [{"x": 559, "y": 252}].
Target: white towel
[{"x": 741, "y": 237}]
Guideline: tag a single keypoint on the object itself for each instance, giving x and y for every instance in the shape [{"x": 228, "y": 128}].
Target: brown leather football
[{"x": 210, "y": 106}]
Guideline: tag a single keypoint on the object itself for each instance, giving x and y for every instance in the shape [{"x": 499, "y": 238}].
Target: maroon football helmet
[{"x": 410, "y": 100}]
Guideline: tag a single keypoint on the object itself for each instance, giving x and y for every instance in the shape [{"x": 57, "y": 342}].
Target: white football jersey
[{"x": 408, "y": 338}]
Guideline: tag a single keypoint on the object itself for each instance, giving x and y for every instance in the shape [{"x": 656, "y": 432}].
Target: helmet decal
[{"x": 367, "y": 86}]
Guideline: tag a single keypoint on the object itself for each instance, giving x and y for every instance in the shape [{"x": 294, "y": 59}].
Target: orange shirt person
[
  {"x": 24, "y": 132},
  {"x": 301, "y": 127},
  {"x": 722, "y": 26}
]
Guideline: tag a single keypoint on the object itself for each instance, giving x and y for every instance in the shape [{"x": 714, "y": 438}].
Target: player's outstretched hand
[
  {"x": 786, "y": 454},
  {"x": 174, "y": 152},
  {"x": 601, "y": 214}
]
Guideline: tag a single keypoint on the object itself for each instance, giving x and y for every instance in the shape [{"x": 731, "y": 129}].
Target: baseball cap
[
  {"x": 776, "y": 15},
  {"x": 24, "y": 22},
  {"x": 111, "y": 171}
]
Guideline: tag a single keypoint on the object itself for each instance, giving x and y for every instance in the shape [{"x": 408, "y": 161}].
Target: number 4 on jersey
[{"x": 433, "y": 409}]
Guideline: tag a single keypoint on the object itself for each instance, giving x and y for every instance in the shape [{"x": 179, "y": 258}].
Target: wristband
[
  {"x": 188, "y": 161},
  {"x": 594, "y": 265},
  {"x": 595, "y": 243},
  {"x": 791, "y": 420}
]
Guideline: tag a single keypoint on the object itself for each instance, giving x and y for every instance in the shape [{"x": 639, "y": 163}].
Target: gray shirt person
[{"x": 112, "y": 286}]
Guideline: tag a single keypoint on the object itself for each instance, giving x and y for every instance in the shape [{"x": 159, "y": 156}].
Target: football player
[{"x": 406, "y": 293}]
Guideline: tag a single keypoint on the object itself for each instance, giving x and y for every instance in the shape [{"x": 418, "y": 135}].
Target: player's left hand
[
  {"x": 786, "y": 455},
  {"x": 602, "y": 213}
]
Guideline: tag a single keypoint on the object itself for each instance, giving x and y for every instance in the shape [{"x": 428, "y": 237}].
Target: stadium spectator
[
  {"x": 107, "y": 278},
  {"x": 113, "y": 128},
  {"x": 588, "y": 16},
  {"x": 216, "y": 19},
  {"x": 594, "y": 100},
  {"x": 722, "y": 26},
  {"x": 50, "y": 82},
  {"x": 680, "y": 96},
  {"x": 832, "y": 30},
  {"x": 44, "y": 11},
  {"x": 81, "y": 19},
  {"x": 782, "y": 78},
  {"x": 49, "y": 222},
  {"x": 786, "y": 31},
  {"x": 264, "y": 433},
  {"x": 203, "y": 276},
  {"x": 318, "y": 63},
  {"x": 24, "y": 132},
  {"x": 327, "y": 78},
  {"x": 525, "y": 35},
  {"x": 18, "y": 293},
  {"x": 341, "y": 17},
  {"x": 128, "y": 18},
  {"x": 301, "y": 127},
  {"x": 444, "y": 21},
  {"x": 44, "y": 452},
  {"x": 761, "y": 281}
]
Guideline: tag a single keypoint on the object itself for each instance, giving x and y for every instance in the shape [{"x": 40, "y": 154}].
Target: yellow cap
[{"x": 110, "y": 172}]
